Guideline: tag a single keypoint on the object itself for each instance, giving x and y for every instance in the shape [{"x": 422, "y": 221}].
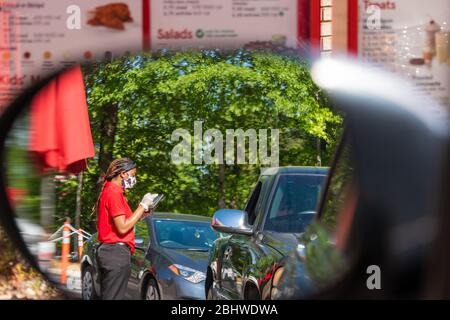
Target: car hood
[
  {"x": 197, "y": 260},
  {"x": 284, "y": 243}
]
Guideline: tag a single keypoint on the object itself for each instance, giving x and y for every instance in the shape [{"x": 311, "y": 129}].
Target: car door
[
  {"x": 138, "y": 260},
  {"x": 241, "y": 250}
]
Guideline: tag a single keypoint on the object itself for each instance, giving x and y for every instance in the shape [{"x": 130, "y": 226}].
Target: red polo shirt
[{"x": 112, "y": 203}]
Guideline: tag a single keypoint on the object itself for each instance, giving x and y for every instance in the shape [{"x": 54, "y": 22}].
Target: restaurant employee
[{"x": 115, "y": 226}]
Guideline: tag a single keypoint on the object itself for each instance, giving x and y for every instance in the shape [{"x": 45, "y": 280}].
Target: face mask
[{"x": 129, "y": 183}]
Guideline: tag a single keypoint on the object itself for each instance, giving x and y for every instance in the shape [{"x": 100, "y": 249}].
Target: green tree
[{"x": 150, "y": 96}]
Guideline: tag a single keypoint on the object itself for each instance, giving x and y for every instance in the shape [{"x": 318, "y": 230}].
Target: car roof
[
  {"x": 179, "y": 216},
  {"x": 294, "y": 170}
]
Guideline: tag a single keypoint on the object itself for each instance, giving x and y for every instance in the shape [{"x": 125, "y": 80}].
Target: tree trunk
[
  {"x": 107, "y": 132},
  {"x": 107, "y": 135},
  {"x": 47, "y": 205},
  {"x": 78, "y": 201},
  {"x": 319, "y": 153},
  {"x": 221, "y": 180},
  {"x": 221, "y": 186},
  {"x": 237, "y": 177}
]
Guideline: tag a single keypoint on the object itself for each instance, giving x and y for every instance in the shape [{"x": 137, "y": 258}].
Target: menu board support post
[
  {"x": 146, "y": 13},
  {"x": 352, "y": 27},
  {"x": 314, "y": 27}
]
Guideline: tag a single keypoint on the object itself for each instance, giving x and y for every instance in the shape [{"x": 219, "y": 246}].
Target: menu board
[
  {"x": 410, "y": 38},
  {"x": 218, "y": 23},
  {"x": 40, "y": 37}
]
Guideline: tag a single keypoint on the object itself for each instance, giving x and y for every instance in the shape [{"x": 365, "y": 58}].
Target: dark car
[
  {"x": 169, "y": 263},
  {"x": 282, "y": 204}
]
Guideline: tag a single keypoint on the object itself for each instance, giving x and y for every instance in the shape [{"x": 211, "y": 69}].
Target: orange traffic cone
[
  {"x": 80, "y": 244},
  {"x": 65, "y": 252}
]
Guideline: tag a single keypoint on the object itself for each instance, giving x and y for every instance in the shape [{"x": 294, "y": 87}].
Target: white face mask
[{"x": 129, "y": 183}]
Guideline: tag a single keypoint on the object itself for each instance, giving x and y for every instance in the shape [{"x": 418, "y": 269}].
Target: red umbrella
[{"x": 60, "y": 129}]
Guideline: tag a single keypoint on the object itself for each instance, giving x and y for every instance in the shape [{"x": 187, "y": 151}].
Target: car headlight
[{"x": 187, "y": 273}]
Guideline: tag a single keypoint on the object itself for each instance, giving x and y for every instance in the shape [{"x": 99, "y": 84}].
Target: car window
[
  {"x": 194, "y": 235},
  {"x": 294, "y": 203}
]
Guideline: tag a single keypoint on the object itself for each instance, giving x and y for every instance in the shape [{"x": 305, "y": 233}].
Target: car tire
[
  {"x": 87, "y": 284},
  {"x": 151, "y": 290}
]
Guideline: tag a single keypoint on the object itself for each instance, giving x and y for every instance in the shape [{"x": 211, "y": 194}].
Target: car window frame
[
  {"x": 152, "y": 226},
  {"x": 262, "y": 209},
  {"x": 264, "y": 188},
  {"x": 251, "y": 200},
  {"x": 265, "y": 182},
  {"x": 147, "y": 240}
]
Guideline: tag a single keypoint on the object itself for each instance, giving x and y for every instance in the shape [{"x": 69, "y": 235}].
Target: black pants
[{"x": 114, "y": 262}]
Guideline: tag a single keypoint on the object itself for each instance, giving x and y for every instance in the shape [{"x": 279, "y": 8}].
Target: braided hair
[{"x": 118, "y": 166}]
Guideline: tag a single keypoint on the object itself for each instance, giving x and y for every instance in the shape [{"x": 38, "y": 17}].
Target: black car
[
  {"x": 244, "y": 264},
  {"x": 169, "y": 263}
]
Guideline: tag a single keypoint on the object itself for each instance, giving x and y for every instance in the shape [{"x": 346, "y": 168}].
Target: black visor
[{"x": 129, "y": 166}]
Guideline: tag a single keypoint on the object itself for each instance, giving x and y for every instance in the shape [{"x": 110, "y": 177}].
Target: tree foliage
[{"x": 154, "y": 94}]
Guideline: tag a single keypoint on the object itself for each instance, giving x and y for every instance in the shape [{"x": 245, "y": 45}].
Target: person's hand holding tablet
[{"x": 149, "y": 202}]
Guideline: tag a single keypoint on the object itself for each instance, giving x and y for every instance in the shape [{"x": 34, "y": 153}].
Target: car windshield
[
  {"x": 190, "y": 235},
  {"x": 294, "y": 204}
]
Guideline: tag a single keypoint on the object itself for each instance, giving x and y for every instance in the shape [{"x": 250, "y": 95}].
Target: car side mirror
[{"x": 231, "y": 221}]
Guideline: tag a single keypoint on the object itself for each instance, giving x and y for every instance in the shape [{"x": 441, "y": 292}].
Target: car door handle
[{"x": 227, "y": 253}]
